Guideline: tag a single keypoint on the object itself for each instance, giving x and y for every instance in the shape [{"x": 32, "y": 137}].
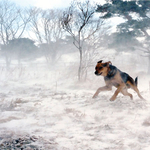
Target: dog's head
[{"x": 102, "y": 68}]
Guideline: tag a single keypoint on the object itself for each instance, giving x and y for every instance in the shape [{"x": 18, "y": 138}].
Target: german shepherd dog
[{"x": 114, "y": 77}]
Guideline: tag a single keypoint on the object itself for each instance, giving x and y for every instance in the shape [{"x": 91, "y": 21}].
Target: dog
[{"x": 114, "y": 77}]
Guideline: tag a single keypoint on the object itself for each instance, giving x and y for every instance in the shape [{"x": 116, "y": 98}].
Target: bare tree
[
  {"x": 94, "y": 47},
  {"x": 36, "y": 26},
  {"x": 46, "y": 26},
  {"x": 80, "y": 21},
  {"x": 13, "y": 21}
]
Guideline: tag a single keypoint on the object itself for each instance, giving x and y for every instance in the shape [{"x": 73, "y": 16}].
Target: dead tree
[
  {"x": 80, "y": 21},
  {"x": 46, "y": 26}
]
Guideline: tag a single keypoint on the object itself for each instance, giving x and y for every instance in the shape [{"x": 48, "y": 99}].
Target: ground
[
  {"x": 44, "y": 115},
  {"x": 46, "y": 108}
]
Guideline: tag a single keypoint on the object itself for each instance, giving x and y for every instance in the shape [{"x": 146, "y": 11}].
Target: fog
[
  {"x": 48, "y": 108},
  {"x": 48, "y": 80}
]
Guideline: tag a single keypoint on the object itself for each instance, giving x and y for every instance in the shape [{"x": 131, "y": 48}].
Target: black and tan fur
[{"x": 114, "y": 77}]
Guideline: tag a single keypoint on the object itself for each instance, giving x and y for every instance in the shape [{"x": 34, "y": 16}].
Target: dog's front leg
[
  {"x": 117, "y": 92},
  {"x": 104, "y": 88}
]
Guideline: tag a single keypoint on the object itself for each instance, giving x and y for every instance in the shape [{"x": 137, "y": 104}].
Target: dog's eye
[
  {"x": 96, "y": 68},
  {"x": 100, "y": 68}
]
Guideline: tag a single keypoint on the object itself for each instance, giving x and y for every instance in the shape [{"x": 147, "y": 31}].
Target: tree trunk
[
  {"x": 80, "y": 65},
  {"x": 149, "y": 64}
]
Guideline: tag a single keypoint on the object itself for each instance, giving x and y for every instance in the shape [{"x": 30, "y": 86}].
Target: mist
[{"x": 48, "y": 81}]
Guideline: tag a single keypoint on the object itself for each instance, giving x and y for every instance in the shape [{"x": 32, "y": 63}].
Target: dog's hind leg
[
  {"x": 126, "y": 93},
  {"x": 104, "y": 88},
  {"x": 137, "y": 91},
  {"x": 133, "y": 85}
]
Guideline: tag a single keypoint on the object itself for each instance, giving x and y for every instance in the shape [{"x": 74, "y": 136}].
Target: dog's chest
[
  {"x": 113, "y": 79},
  {"x": 115, "y": 83}
]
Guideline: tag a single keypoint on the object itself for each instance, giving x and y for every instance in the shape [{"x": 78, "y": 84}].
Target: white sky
[{"x": 46, "y": 4}]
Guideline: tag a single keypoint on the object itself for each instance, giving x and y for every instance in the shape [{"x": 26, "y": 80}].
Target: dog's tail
[{"x": 136, "y": 81}]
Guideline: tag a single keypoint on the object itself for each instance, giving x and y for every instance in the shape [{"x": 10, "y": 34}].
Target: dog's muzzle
[{"x": 98, "y": 74}]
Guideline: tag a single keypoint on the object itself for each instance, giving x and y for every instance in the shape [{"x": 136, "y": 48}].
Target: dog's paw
[
  {"x": 112, "y": 99},
  {"x": 94, "y": 96}
]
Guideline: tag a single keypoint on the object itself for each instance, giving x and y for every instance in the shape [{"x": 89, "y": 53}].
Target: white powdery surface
[{"x": 71, "y": 119}]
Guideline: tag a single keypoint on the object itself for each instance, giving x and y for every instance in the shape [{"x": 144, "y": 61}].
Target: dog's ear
[
  {"x": 100, "y": 61},
  {"x": 107, "y": 64}
]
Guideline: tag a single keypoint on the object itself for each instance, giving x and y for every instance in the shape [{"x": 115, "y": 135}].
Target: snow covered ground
[{"x": 50, "y": 110}]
